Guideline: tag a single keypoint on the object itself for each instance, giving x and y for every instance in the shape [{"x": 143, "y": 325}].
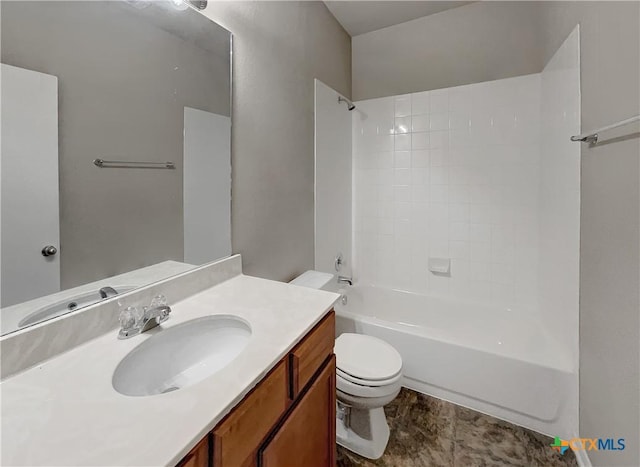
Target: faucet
[
  {"x": 133, "y": 322},
  {"x": 345, "y": 280},
  {"x": 105, "y": 292}
]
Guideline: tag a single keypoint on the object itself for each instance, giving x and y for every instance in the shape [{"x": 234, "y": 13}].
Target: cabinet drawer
[
  {"x": 307, "y": 357},
  {"x": 236, "y": 439}
]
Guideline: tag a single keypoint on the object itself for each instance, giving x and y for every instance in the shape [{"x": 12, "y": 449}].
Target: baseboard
[{"x": 582, "y": 458}]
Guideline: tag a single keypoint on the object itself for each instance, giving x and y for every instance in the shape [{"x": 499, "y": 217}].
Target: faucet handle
[
  {"x": 159, "y": 300},
  {"x": 129, "y": 317}
]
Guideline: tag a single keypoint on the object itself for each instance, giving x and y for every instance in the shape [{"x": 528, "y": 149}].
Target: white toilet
[{"x": 369, "y": 376}]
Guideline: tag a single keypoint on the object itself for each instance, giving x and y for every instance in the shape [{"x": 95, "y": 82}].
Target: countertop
[{"x": 66, "y": 412}]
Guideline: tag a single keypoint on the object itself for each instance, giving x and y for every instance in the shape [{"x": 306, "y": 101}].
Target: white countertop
[{"x": 66, "y": 412}]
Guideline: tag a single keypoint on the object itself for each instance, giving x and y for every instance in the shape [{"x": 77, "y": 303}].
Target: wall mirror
[{"x": 115, "y": 150}]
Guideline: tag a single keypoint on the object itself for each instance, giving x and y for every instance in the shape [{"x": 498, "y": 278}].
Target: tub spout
[{"x": 345, "y": 280}]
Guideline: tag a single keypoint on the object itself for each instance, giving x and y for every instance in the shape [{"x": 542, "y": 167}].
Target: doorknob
[{"x": 49, "y": 250}]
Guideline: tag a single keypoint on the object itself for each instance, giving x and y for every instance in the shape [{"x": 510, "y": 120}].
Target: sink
[
  {"x": 67, "y": 305},
  {"x": 181, "y": 355}
]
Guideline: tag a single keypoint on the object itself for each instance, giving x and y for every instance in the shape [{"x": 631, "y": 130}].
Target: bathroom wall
[
  {"x": 478, "y": 42},
  {"x": 279, "y": 48},
  {"x": 559, "y": 195},
  {"x": 450, "y": 173},
  {"x": 610, "y": 230},
  {"x": 333, "y": 181}
]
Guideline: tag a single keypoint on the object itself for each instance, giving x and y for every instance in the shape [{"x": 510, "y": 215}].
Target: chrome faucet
[
  {"x": 134, "y": 322},
  {"x": 106, "y": 292},
  {"x": 345, "y": 280}
]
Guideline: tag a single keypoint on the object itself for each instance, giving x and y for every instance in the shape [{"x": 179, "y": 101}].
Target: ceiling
[{"x": 358, "y": 17}]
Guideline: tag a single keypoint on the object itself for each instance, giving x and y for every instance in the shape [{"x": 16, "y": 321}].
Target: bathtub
[{"x": 495, "y": 361}]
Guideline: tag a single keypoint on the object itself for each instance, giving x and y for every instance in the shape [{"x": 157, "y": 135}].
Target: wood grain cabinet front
[
  {"x": 199, "y": 456},
  {"x": 237, "y": 437},
  {"x": 311, "y": 353},
  {"x": 307, "y": 436},
  {"x": 288, "y": 419}
]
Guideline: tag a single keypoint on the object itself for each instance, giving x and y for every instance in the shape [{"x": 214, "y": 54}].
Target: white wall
[
  {"x": 332, "y": 181},
  {"x": 559, "y": 194},
  {"x": 451, "y": 173}
]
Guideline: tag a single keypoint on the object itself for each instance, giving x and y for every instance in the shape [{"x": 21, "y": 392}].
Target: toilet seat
[
  {"x": 367, "y": 360},
  {"x": 352, "y": 389},
  {"x": 366, "y": 382}
]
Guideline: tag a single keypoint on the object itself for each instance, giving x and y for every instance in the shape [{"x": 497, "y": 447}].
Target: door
[
  {"x": 207, "y": 185},
  {"x": 29, "y": 185},
  {"x": 308, "y": 435}
]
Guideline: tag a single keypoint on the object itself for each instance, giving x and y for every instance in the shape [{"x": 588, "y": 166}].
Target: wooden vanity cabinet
[
  {"x": 307, "y": 436},
  {"x": 288, "y": 419}
]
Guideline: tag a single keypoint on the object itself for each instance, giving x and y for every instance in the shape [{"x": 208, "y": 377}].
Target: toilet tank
[{"x": 313, "y": 279}]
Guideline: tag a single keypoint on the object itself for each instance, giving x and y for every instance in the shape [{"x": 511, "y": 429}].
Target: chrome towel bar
[
  {"x": 133, "y": 165},
  {"x": 592, "y": 137}
]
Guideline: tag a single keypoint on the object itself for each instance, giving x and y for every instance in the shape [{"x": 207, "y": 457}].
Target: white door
[
  {"x": 207, "y": 186},
  {"x": 29, "y": 185}
]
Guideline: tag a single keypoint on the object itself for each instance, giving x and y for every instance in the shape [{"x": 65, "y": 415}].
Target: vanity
[
  {"x": 271, "y": 404},
  {"x": 287, "y": 419}
]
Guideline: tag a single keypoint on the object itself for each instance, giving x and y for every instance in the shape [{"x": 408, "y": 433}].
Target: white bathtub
[{"x": 494, "y": 361}]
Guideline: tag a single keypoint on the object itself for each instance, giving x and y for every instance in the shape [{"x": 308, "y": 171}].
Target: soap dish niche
[{"x": 440, "y": 266}]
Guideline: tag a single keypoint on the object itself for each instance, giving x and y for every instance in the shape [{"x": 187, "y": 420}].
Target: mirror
[{"x": 115, "y": 150}]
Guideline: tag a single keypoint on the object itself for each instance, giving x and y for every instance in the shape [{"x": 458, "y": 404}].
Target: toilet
[{"x": 368, "y": 377}]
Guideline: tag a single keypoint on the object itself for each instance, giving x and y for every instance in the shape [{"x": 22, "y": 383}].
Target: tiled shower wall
[{"x": 450, "y": 173}]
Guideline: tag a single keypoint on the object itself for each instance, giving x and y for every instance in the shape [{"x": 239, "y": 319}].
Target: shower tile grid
[
  {"x": 450, "y": 173},
  {"x": 426, "y": 431}
]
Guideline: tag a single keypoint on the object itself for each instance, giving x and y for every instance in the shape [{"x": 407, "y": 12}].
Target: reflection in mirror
[{"x": 143, "y": 87}]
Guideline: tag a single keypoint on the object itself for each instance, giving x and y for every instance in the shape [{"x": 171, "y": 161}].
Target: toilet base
[{"x": 367, "y": 433}]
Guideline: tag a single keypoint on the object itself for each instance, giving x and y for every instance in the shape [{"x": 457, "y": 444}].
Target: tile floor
[{"x": 429, "y": 432}]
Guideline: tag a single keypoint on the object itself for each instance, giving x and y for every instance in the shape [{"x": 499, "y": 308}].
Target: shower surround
[
  {"x": 484, "y": 176},
  {"x": 451, "y": 173}
]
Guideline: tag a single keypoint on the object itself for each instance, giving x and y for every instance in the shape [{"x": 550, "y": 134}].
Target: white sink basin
[
  {"x": 67, "y": 305},
  {"x": 181, "y": 356}
]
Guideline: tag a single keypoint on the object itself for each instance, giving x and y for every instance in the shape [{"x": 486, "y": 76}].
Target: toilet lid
[{"x": 367, "y": 357}]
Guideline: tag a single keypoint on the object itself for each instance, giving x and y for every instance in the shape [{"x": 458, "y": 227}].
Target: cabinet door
[
  {"x": 237, "y": 438},
  {"x": 308, "y": 435},
  {"x": 199, "y": 456}
]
